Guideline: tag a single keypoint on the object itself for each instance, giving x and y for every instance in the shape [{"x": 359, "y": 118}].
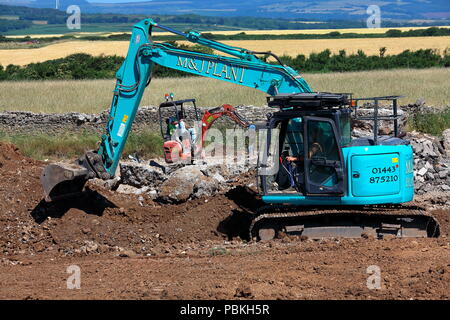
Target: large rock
[
  {"x": 126, "y": 189},
  {"x": 111, "y": 184},
  {"x": 206, "y": 187},
  {"x": 428, "y": 149},
  {"x": 186, "y": 183},
  {"x": 180, "y": 185},
  {"x": 141, "y": 175}
]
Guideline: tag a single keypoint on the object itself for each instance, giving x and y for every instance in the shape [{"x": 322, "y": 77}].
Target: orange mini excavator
[{"x": 181, "y": 141}]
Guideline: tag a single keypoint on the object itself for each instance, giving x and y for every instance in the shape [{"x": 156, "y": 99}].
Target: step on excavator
[
  {"x": 313, "y": 178},
  {"x": 181, "y": 141}
]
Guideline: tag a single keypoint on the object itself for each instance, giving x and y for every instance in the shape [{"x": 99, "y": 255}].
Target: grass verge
[
  {"x": 145, "y": 144},
  {"x": 432, "y": 123}
]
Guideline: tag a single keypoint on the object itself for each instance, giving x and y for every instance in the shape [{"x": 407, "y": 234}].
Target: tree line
[
  {"x": 325, "y": 61},
  {"x": 392, "y": 33},
  {"x": 84, "y": 66}
]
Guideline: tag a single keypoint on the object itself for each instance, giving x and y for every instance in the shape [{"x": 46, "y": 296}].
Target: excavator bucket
[{"x": 61, "y": 180}]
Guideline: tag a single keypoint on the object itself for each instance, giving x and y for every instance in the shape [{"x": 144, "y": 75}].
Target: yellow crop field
[
  {"x": 280, "y": 47},
  {"x": 41, "y": 35},
  {"x": 61, "y": 50},
  {"x": 313, "y": 31},
  {"x": 75, "y": 34}
]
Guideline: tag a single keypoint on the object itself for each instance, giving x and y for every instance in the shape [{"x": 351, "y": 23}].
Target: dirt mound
[
  {"x": 109, "y": 222},
  {"x": 9, "y": 155},
  {"x": 100, "y": 220}
]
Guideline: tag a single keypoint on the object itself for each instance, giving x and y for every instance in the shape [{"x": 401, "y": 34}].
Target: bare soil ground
[{"x": 131, "y": 249}]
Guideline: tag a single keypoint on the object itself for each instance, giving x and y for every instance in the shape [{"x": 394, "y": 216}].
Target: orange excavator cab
[{"x": 178, "y": 142}]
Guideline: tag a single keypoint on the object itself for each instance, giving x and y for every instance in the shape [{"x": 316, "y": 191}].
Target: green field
[
  {"x": 9, "y": 17},
  {"x": 67, "y": 145},
  {"x": 92, "y": 96}
]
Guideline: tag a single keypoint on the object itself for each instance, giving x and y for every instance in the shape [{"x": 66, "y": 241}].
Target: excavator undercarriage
[{"x": 401, "y": 221}]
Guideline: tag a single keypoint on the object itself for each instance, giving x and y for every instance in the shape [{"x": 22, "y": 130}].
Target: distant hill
[
  {"x": 306, "y": 9},
  {"x": 27, "y": 13},
  {"x": 44, "y": 3},
  {"x": 32, "y": 20},
  {"x": 38, "y": 20}
]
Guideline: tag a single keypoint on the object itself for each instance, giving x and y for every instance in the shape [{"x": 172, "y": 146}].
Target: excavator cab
[
  {"x": 176, "y": 121},
  {"x": 310, "y": 132}
]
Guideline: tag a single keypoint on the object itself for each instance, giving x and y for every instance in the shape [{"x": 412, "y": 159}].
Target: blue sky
[{"x": 116, "y": 1}]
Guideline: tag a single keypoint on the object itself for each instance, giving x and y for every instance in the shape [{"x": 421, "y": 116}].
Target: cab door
[{"x": 324, "y": 165}]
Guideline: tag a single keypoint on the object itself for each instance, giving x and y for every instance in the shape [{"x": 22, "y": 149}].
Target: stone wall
[
  {"x": 26, "y": 122},
  {"x": 147, "y": 117}
]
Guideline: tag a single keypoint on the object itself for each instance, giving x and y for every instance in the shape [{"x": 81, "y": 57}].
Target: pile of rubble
[
  {"x": 178, "y": 183},
  {"x": 431, "y": 162}
]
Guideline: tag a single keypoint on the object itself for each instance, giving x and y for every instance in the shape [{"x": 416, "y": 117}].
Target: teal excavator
[{"x": 314, "y": 179}]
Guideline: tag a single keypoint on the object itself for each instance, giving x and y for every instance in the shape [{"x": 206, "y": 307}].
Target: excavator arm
[
  {"x": 212, "y": 115},
  {"x": 241, "y": 67}
]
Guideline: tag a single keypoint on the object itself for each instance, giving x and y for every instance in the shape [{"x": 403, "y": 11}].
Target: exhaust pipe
[{"x": 63, "y": 180}]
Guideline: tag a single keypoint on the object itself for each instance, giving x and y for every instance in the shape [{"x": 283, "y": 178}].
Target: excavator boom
[{"x": 242, "y": 68}]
